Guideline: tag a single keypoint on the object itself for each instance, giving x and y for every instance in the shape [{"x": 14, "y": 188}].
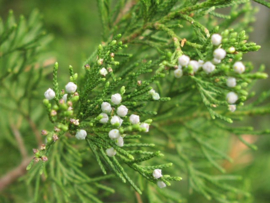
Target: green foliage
[
  {"x": 19, "y": 42},
  {"x": 263, "y": 2},
  {"x": 22, "y": 57},
  {"x": 87, "y": 112},
  {"x": 22, "y": 54},
  {"x": 187, "y": 111}
]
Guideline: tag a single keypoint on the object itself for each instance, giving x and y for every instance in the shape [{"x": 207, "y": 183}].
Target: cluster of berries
[
  {"x": 209, "y": 66},
  {"x": 157, "y": 174},
  {"x": 70, "y": 88},
  {"x": 116, "y": 119},
  {"x": 238, "y": 67},
  {"x": 154, "y": 94},
  {"x": 64, "y": 107}
]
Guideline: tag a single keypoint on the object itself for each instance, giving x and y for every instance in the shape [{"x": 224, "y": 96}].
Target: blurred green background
[{"x": 76, "y": 28}]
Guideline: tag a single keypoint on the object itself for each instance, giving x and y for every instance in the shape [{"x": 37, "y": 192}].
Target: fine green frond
[{"x": 162, "y": 96}]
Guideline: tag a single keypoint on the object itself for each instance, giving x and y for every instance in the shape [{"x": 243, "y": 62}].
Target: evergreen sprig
[{"x": 156, "y": 94}]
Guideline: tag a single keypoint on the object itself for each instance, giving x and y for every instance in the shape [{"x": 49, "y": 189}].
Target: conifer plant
[{"x": 150, "y": 118}]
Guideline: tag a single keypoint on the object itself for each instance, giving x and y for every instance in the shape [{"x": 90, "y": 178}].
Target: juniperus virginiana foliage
[{"x": 154, "y": 105}]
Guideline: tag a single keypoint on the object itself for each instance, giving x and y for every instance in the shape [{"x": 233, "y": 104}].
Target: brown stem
[
  {"x": 137, "y": 33},
  {"x": 138, "y": 197},
  {"x": 127, "y": 7},
  {"x": 19, "y": 139},
  {"x": 11, "y": 176}
]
